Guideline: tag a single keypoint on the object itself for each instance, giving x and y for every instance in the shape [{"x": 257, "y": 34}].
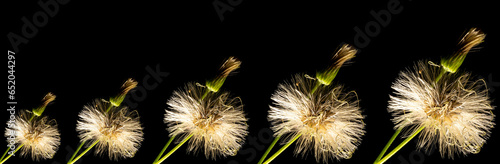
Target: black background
[{"x": 89, "y": 48}]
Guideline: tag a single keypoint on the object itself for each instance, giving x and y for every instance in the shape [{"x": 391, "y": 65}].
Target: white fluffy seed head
[
  {"x": 118, "y": 131},
  {"x": 455, "y": 111},
  {"x": 39, "y": 137},
  {"x": 217, "y": 121},
  {"x": 329, "y": 119}
]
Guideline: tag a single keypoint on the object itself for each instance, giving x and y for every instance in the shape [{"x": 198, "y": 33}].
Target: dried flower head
[
  {"x": 328, "y": 119},
  {"x": 229, "y": 66},
  {"x": 470, "y": 40},
  {"x": 118, "y": 130},
  {"x": 216, "y": 121},
  {"x": 455, "y": 111},
  {"x": 126, "y": 87},
  {"x": 345, "y": 53},
  {"x": 49, "y": 97},
  {"x": 39, "y": 137}
]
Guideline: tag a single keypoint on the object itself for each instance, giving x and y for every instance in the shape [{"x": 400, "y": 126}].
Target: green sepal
[
  {"x": 453, "y": 63},
  {"x": 327, "y": 77},
  {"x": 116, "y": 101},
  {"x": 126, "y": 87},
  {"x": 45, "y": 101},
  {"x": 38, "y": 111},
  {"x": 216, "y": 84}
]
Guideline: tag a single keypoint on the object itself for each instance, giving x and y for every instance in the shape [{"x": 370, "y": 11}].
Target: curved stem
[
  {"x": 164, "y": 148},
  {"x": 174, "y": 149},
  {"x": 269, "y": 149},
  {"x": 388, "y": 145},
  {"x": 6, "y": 158},
  {"x": 83, "y": 153},
  {"x": 282, "y": 149},
  {"x": 395, "y": 150},
  {"x": 77, "y": 150}
]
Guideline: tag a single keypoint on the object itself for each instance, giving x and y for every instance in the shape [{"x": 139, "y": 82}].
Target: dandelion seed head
[
  {"x": 39, "y": 137},
  {"x": 328, "y": 119},
  {"x": 118, "y": 131},
  {"x": 455, "y": 111},
  {"x": 217, "y": 121}
]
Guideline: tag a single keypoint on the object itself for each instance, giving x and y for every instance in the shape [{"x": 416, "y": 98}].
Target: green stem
[
  {"x": 77, "y": 150},
  {"x": 6, "y": 158},
  {"x": 441, "y": 73},
  {"x": 205, "y": 94},
  {"x": 83, "y": 153},
  {"x": 164, "y": 148},
  {"x": 174, "y": 149},
  {"x": 6, "y": 151},
  {"x": 269, "y": 149},
  {"x": 315, "y": 87},
  {"x": 388, "y": 145},
  {"x": 399, "y": 146},
  {"x": 110, "y": 105},
  {"x": 32, "y": 116},
  {"x": 282, "y": 149}
]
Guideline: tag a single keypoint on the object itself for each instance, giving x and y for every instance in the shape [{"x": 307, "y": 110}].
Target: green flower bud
[
  {"x": 45, "y": 101},
  {"x": 230, "y": 65},
  {"x": 471, "y": 39},
  {"x": 126, "y": 87},
  {"x": 345, "y": 53}
]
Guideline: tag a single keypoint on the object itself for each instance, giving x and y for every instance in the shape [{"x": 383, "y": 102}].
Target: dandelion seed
[
  {"x": 112, "y": 128},
  {"x": 447, "y": 109},
  {"x": 118, "y": 131},
  {"x": 39, "y": 137},
  {"x": 322, "y": 117},
  {"x": 212, "y": 121},
  {"x": 34, "y": 134},
  {"x": 455, "y": 111},
  {"x": 329, "y": 119},
  {"x": 217, "y": 121}
]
